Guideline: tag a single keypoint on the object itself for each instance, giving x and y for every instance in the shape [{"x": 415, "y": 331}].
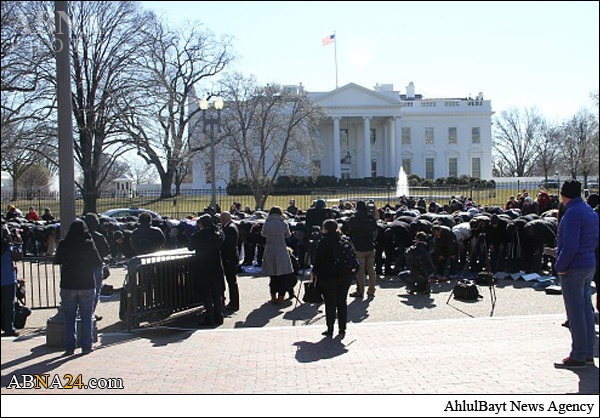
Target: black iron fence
[
  {"x": 157, "y": 286},
  {"x": 192, "y": 201}
]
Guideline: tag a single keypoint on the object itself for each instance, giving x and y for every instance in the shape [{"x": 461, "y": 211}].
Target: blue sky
[{"x": 519, "y": 54}]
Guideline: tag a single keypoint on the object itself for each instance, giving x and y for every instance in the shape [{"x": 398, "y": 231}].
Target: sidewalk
[{"x": 504, "y": 355}]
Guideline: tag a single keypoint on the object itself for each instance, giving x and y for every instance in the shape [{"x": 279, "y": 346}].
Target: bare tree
[
  {"x": 548, "y": 154},
  {"x": 515, "y": 141},
  {"x": 580, "y": 144},
  {"x": 105, "y": 39},
  {"x": 158, "y": 116},
  {"x": 267, "y": 128},
  {"x": 141, "y": 172}
]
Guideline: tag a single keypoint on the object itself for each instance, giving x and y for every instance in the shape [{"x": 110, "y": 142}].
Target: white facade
[{"x": 382, "y": 130}]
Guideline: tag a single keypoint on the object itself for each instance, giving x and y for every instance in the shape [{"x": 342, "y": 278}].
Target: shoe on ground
[
  {"x": 370, "y": 295},
  {"x": 68, "y": 353},
  {"x": 589, "y": 360},
  {"x": 565, "y": 324},
  {"x": 356, "y": 295},
  {"x": 327, "y": 333},
  {"x": 568, "y": 363},
  {"x": 231, "y": 308},
  {"x": 11, "y": 334},
  {"x": 86, "y": 352},
  {"x": 98, "y": 318}
]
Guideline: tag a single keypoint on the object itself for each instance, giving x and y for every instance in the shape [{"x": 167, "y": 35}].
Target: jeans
[
  {"x": 335, "y": 295},
  {"x": 577, "y": 294},
  {"x": 71, "y": 301},
  {"x": 8, "y": 307}
]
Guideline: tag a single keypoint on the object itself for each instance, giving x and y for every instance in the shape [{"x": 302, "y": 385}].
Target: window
[
  {"x": 373, "y": 167},
  {"x": 406, "y": 165},
  {"x": 405, "y": 136},
  {"x": 429, "y": 135},
  {"x": 344, "y": 138},
  {"x": 475, "y": 136},
  {"x": 429, "y": 168},
  {"x": 373, "y": 136},
  {"x": 453, "y": 167},
  {"x": 452, "y": 135},
  {"x": 476, "y": 170}
]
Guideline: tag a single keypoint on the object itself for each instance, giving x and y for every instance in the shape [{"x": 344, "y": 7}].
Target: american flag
[{"x": 328, "y": 40}]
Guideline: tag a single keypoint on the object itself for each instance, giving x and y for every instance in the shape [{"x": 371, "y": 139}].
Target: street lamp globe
[
  {"x": 219, "y": 103},
  {"x": 203, "y": 104}
]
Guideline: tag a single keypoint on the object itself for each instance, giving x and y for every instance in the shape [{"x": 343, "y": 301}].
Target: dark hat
[
  {"x": 320, "y": 204},
  {"x": 421, "y": 236},
  {"x": 361, "y": 206},
  {"x": 593, "y": 200},
  {"x": 571, "y": 189}
]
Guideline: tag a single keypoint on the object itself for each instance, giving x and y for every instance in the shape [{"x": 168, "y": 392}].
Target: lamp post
[{"x": 211, "y": 121}]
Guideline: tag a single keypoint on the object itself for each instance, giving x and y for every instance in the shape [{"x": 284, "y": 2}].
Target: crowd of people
[{"x": 418, "y": 240}]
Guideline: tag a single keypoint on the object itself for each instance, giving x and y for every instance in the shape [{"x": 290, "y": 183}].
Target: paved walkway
[{"x": 447, "y": 353}]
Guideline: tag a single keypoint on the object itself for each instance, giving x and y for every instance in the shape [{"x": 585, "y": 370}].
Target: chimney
[{"x": 410, "y": 91}]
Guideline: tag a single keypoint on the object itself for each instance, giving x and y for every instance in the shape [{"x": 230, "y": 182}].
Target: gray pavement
[{"x": 395, "y": 344}]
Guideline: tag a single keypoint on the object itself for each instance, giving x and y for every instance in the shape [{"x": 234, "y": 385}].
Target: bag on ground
[{"x": 466, "y": 290}]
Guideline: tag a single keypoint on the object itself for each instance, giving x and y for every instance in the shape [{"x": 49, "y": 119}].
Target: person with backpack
[
  {"x": 331, "y": 280},
  {"x": 363, "y": 230}
]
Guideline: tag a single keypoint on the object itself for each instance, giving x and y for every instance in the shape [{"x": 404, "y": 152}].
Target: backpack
[{"x": 344, "y": 257}]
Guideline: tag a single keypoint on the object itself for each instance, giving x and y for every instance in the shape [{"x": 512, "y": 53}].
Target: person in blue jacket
[{"x": 575, "y": 265}]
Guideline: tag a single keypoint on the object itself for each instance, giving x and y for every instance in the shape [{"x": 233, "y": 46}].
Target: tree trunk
[{"x": 166, "y": 180}]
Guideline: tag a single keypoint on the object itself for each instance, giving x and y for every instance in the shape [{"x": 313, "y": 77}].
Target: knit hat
[{"x": 571, "y": 189}]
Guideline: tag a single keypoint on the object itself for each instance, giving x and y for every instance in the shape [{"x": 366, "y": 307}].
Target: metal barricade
[
  {"x": 42, "y": 282},
  {"x": 159, "y": 285}
]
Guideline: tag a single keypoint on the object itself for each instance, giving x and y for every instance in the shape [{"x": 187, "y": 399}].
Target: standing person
[
  {"x": 208, "y": 269},
  {"x": 92, "y": 222},
  {"x": 231, "y": 259},
  {"x": 575, "y": 265},
  {"x": 363, "y": 229},
  {"x": 333, "y": 285},
  {"x": 9, "y": 285},
  {"x": 276, "y": 261},
  {"x": 146, "y": 238},
  {"x": 79, "y": 258}
]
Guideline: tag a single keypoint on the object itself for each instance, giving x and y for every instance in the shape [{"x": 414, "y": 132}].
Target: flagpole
[{"x": 335, "y": 54}]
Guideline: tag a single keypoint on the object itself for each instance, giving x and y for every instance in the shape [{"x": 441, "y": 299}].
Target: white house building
[{"x": 375, "y": 132}]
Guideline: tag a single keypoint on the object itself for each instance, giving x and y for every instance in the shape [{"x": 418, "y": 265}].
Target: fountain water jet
[{"x": 402, "y": 184}]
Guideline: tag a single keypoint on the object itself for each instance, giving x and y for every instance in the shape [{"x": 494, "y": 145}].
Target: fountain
[{"x": 402, "y": 184}]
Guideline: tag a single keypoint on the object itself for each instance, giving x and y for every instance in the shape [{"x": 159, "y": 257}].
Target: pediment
[{"x": 353, "y": 95}]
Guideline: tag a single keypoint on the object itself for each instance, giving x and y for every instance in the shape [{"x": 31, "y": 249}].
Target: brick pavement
[{"x": 504, "y": 355}]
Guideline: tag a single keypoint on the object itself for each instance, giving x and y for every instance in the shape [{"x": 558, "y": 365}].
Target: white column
[
  {"x": 392, "y": 172},
  {"x": 367, "y": 142},
  {"x": 337, "y": 169},
  {"x": 397, "y": 144}
]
